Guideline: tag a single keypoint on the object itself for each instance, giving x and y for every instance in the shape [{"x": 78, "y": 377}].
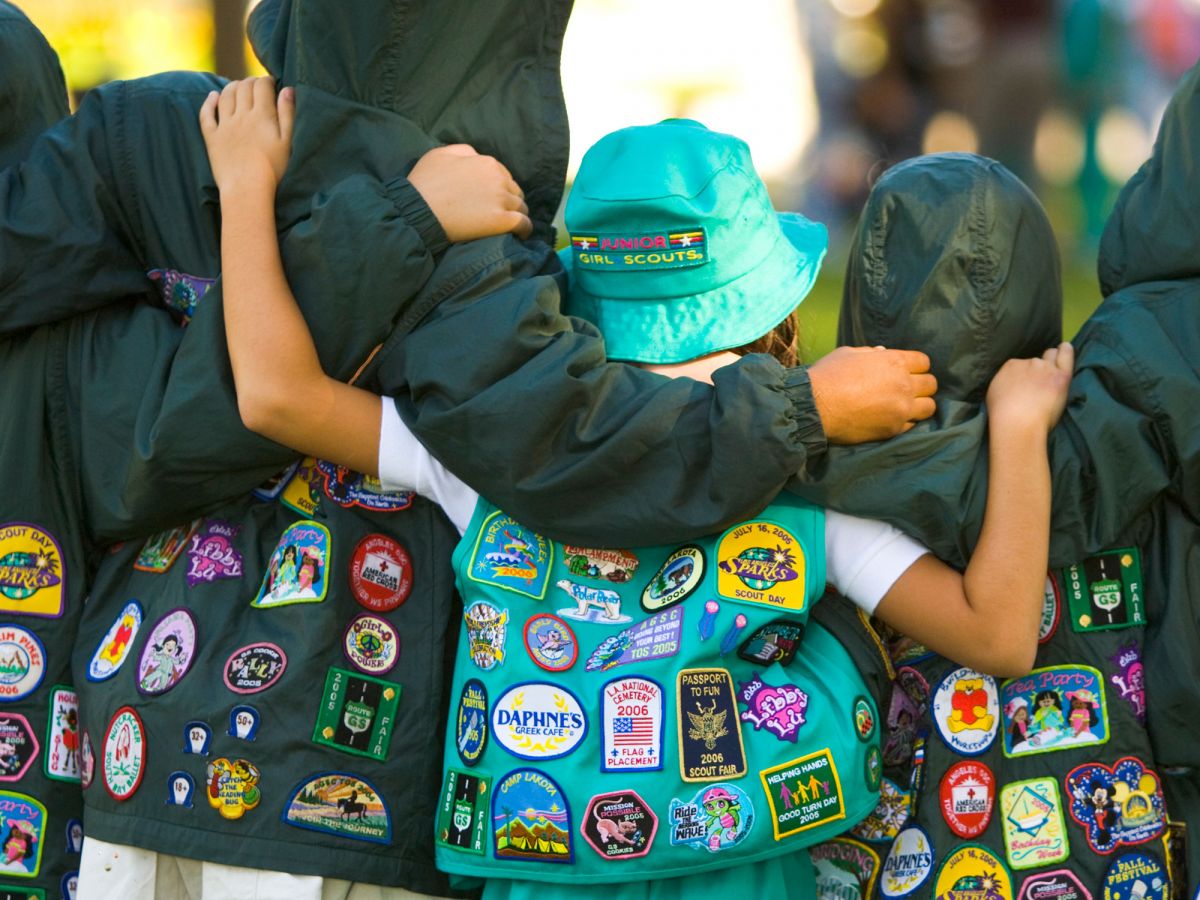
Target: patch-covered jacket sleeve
[{"x": 520, "y": 402}]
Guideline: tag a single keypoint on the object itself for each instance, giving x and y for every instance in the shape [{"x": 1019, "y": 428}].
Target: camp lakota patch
[
  {"x": 462, "y": 813},
  {"x": 124, "y": 761},
  {"x": 619, "y": 825},
  {"x": 1051, "y": 610},
  {"x": 471, "y": 722},
  {"x": 538, "y": 720},
  {"x": 18, "y": 747},
  {"x": 1055, "y": 708},
  {"x": 640, "y": 250},
  {"x": 62, "y": 735},
  {"x": 968, "y": 795},
  {"x": 302, "y": 492},
  {"x": 168, "y": 653},
  {"x": 1118, "y": 805},
  {"x": 161, "y": 550},
  {"x": 22, "y": 663},
  {"x": 775, "y": 642},
  {"x": 1035, "y": 832},
  {"x": 24, "y": 822},
  {"x": 715, "y": 819},
  {"x": 371, "y": 644},
  {"x": 487, "y": 632},
  {"x": 632, "y": 716},
  {"x": 966, "y": 710},
  {"x": 32, "y": 571},
  {"x": 197, "y": 738},
  {"x": 1105, "y": 591},
  {"x": 348, "y": 488},
  {"x": 531, "y": 819},
  {"x": 710, "y": 736},
  {"x": 908, "y": 865},
  {"x": 357, "y": 714},
  {"x": 1129, "y": 678},
  {"x": 550, "y": 642},
  {"x": 381, "y": 573},
  {"x": 679, "y": 575},
  {"x": 211, "y": 554},
  {"x": 231, "y": 786},
  {"x": 803, "y": 793},
  {"x": 340, "y": 804},
  {"x": 654, "y": 638},
  {"x": 116, "y": 644},
  {"x": 845, "y": 869},
  {"x": 973, "y": 872},
  {"x": 1136, "y": 876},
  {"x": 296, "y": 572},
  {"x": 890, "y": 814},
  {"x": 1061, "y": 884},
  {"x": 592, "y": 604},
  {"x": 181, "y": 788},
  {"x": 762, "y": 563},
  {"x": 254, "y": 668},
  {"x": 778, "y": 709},
  {"x": 617, "y": 566},
  {"x": 512, "y": 557}
]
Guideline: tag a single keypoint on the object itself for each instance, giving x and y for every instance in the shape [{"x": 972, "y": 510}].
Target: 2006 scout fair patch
[
  {"x": 22, "y": 663},
  {"x": 908, "y": 865},
  {"x": 32, "y": 571},
  {"x": 619, "y": 825},
  {"x": 340, "y": 804},
  {"x": 710, "y": 734},
  {"x": 538, "y": 720},
  {"x": 512, "y": 557},
  {"x": 968, "y": 794},
  {"x": 715, "y": 818},
  {"x": 531, "y": 819},
  {"x": 124, "y": 761},
  {"x": 845, "y": 869},
  {"x": 1035, "y": 831},
  {"x": 1136, "y": 876},
  {"x": 966, "y": 710},
  {"x": 632, "y": 716},
  {"x": 18, "y": 747},
  {"x": 298, "y": 569},
  {"x": 1055, "y": 708},
  {"x": 679, "y": 575},
  {"x": 463, "y": 811},
  {"x": 254, "y": 668},
  {"x": 803, "y": 793},
  {"x": 471, "y": 722},
  {"x": 24, "y": 819},
  {"x": 777, "y": 709},
  {"x": 168, "y": 652},
  {"x": 1105, "y": 591},
  {"x": 116, "y": 645},
  {"x": 232, "y": 786},
  {"x": 1121, "y": 804},
  {"x": 62, "y": 735},
  {"x": 550, "y": 642},
  {"x": 1061, "y": 884},
  {"x": 762, "y": 563},
  {"x": 654, "y": 638},
  {"x": 381, "y": 573},
  {"x": 777, "y": 641},
  {"x": 371, "y": 644},
  {"x": 642, "y": 250},
  {"x": 487, "y": 632},
  {"x": 357, "y": 714},
  {"x": 212, "y": 555},
  {"x": 348, "y": 488},
  {"x": 970, "y": 872},
  {"x": 617, "y": 566},
  {"x": 161, "y": 550}
]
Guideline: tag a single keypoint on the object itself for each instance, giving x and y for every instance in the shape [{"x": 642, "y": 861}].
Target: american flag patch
[
  {"x": 632, "y": 732},
  {"x": 633, "y": 725}
]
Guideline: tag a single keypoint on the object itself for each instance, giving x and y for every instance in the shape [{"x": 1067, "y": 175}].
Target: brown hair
[{"x": 782, "y": 342}]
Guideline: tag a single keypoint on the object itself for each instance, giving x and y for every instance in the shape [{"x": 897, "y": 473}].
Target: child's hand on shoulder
[
  {"x": 472, "y": 196},
  {"x": 248, "y": 134},
  {"x": 1032, "y": 393}
]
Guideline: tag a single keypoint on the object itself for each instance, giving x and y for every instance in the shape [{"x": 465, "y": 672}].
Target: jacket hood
[
  {"x": 442, "y": 71},
  {"x": 33, "y": 94},
  {"x": 950, "y": 257}
]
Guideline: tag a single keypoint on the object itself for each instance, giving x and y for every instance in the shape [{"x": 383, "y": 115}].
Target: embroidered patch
[
  {"x": 972, "y": 871},
  {"x": 254, "y": 668},
  {"x": 24, "y": 822},
  {"x": 619, "y": 825},
  {"x": 18, "y": 747},
  {"x": 551, "y": 642},
  {"x": 1106, "y": 591},
  {"x": 113, "y": 649},
  {"x": 1130, "y": 678},
  {"x": 762, "y": 563},
  {"x": 471, "y": 723},
  {"x": 675, "y": 580},
  {"x": 592, "y": 604},
  {"x": 777, "y": 641},
  {"x": 909, "y": 702},
  {"x": 296, "y": 572},
  {"x": 61, "y": 761},
  {"x": 69, "y": 885},
  {"x": 531, "y": 819},
  {"x": 487, "y": 629},
  {"x": 968, "y": 795},
  {"x": 1175, "y": 852},
  {"x": 124, "y": 754},
  {"x": 1035, "y": 833},
  {"x": 715, "y": 819},
  {"x": 161, "y": 550},
  {"x": 212, "y": 555},
  {"x": 179, "y": 291},
  {"x": 777, "y": 709},
  {"x": 908, "y": 865},
  {"x": 538, "y": 720},
  {"x": 1061, "y": 884},
  {"x": 32, "y": 572},
  {"x": 302, "y": 492},
  {"x": 348, "y": 488},
  {"x": 273, "y": 486},
  {"x": 617, "y": 566},
  {"x": 890, "y": 814},
  {"x": 87, "y": 761},
  {"x": 655, "y": 638},
  {"x": 462, "y": 815},
  {"x": 168, "y": 652},
  {"x": 340, "y": 804},
  {"x": 966, "y": 711},
  {"x": 181, "y": 788},
  {"x": 371, "y": 644},
  {"x": 1055, "y": 708},
  {"x": 74, "y": 836},
  {"x": 243, "y": 723},
  {"x": 1118, "y": 805},
  {"x": 710, "y": 735},
  {"x": 632, "y": 714},
  {"x": 12, "y": 892},
  {"x": 381, "y": 573},
  {"x": 1136, "y": 876},
  {"x": 512, "y": 557},
  {"x": 845, "y": 869},
  {"x": 232, "y": 786},
  {"x": 640, "y": 250},
  {"x": 873, "y": 767},
  {"x": 864, "y": 719},
  {"x": 1051, "y": 606},
  {"x": 357, "y": 714},
  {"x": 197, "y": 738},
  {"x": 803, "y": 793}
]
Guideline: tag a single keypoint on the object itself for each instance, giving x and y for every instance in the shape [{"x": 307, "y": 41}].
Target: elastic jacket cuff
[
  {"x": 809, "y": 430},
  {"x": 413, "y": 208}
]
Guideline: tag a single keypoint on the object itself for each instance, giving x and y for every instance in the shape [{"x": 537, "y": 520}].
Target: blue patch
[
  {"x": 180, "y": 292},
  {"x": 180, "y": 789},
  {"x": 1117, "y": 805},
  {"x": 715, "y": 819},
  {"x": 1136, "y": 876},
  {"x": 348, "y": 488},
  {"x": 471, "y": 724},
  {"x": 511, "y": 556},
  {"x": 117, "y": 644},
  {"x": 340, "y": 804},
  {"x": 197, "y": 738},
  {"x": 244, "y": 722},
  {"x": 531, "y": 819}
]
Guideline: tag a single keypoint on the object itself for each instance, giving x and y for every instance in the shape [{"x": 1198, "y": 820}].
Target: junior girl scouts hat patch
[{"x": 675, "y": 249}]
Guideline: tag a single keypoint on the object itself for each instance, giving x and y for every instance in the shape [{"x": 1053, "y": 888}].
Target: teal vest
[{"x": 647, "y": 714}]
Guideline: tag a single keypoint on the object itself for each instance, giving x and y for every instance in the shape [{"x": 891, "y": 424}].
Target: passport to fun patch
[
  {"x": 640, "y": 250},
  {"x": 710, "y": 739}
]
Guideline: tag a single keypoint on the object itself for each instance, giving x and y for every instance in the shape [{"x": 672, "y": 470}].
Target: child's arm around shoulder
[{"x": 988, "y": 617}]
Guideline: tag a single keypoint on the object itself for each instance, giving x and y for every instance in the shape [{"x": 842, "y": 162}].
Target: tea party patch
[
  {"x": 212, "y": 554},
  {"x": 371, "y": 644},
  {"x": 161, "y": 550},
  {"x": 531, "y": 819},
  {"x": 168, "y": 652},
  {"x": 18, "y": 747},
  {"x": 340, "y": 804},
  {"x": 297, "y": 570},
  {"x": 968, "y": 795},
  {"x": 550, "y": 642},
  {"x": 1136, "y": 876},
  {"x": 114, "y": 647},
  {"x": 716, "y": 818},
  {"x": 845, "y": 869},
  {"x": 124, "y": 761},
  {"x": 487, "y": 632},
  {"x": 61, "y": 760},
  {"x": 463, "y": 811},
  {"x": 232, "y": 787},
  {"x": 511, "y": 556},
  {"x": 632, "y": 716},
  {"x": 971, "y": 871},
  {"x": 619, "y": 825},
  {"x": 1105, "y": 591},
  {"x": 32, "y": 571},
  {"x": 357, "y": 714},
  {"x": 1117, "y": 805},
  {"x": 676, "y": 579},
  {"x": 381, "y": 573},
  {"x": 1035, "y": 832},
  {"x": 803, "y": 793},
  {"x": 1055, "y": 708},
  {"x": 762, "y": 563},
  {"x": 471, "y": 722},
  {"x": 24, "y": 819},
  {"x": 908, "y": 865},
  {"x": 254, "y": 668},
  {"x": 538, "y": 720},
  {"x": 710, "y": 736},
  {"x": 655, "y": 638},
  {"x": 966, "y": 710}
]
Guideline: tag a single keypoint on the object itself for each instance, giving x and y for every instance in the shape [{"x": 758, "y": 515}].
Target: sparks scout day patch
[
  {"x": 32, "y": 571},
  {"x": 803, "y": 793},
  {"x": 531, "y": 819},
  {"x": 632, "y": 717},
  {"x": 1035, "y": 831},
  {"x": 710, "y": 736},
  {"x": 1055, "y": 708},
  {"x": 1105, "y": 591},
  {"x": 716, "y": 818},
  {"x": 357, "y": 714},
  {"x": 340, "y": 804},
  {"x": 764, "y": 564},
  {"x": 511, "y": 556},
  {"x": 462, "y": 814},
  {"x": 640, "y": 250},
  {"x": 973, "y": 871}
]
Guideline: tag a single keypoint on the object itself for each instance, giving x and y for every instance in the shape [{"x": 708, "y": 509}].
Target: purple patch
[
  {"x": 778, "y": 709},
  {"x": 654, "y": 638},
  {"x": 168, "y": 652},
  {"x": 1130, "y": 679},
  {"x": 212, "y": 554},
  {"x": 180, "y": 292}
]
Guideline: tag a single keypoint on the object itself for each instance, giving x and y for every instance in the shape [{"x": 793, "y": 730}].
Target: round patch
[
  {"x": 966, "y": 710},
  {"x": 116, "y": 644},
  {"x": 87, "y": 761},
  {"x": 538, "y": 720},
  {"x": 22, "y": 663},
  {"x": 551, "y": 642},
  {"x": 675, "y": 580},
  {"x": 168, "y": 652},
  {"x": 381, "y": 573},
  {"x": 471, "y": 723},
  {"x": 890, "y": 815},
  {"x": 908, "y": 865},
  {"x": 254, "y": 668},
  {"x": 371, "y": 644},
  {"x": 968, "y": 795},
  {"x": 124, "y": 754},
  {"x": 864, "y": 719},
  {"x": 1051, "y": 604},
  {"x": 973, "y": 871},
  {"x": 874, "y": 768}
]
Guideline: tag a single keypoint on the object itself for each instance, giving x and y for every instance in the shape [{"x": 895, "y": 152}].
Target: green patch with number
[
  {"x": 1105, "y": 591},
  {"x": 803, "y": 793},
  {"x": 462, "y": 812},
  {"x": 357, "y": 713}
]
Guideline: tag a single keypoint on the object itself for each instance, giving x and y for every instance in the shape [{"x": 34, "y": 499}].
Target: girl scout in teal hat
[{"x": 671, "y": 737}]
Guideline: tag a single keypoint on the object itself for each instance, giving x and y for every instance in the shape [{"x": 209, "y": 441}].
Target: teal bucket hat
[{"x": 675, "y": 251}]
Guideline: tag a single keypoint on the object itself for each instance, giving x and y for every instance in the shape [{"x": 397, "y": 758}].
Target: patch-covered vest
[{"x": 646, "y": 714}]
